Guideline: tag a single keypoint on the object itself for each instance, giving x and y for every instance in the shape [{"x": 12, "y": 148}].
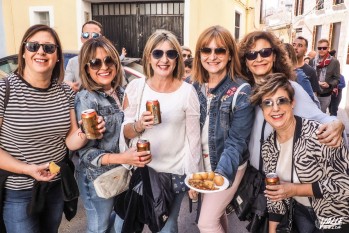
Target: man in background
[{"x": 186, "y": 52}]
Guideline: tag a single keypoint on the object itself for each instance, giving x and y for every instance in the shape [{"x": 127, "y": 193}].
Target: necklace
[
  {"x": 109, "y": 92},
  {"x": 209, "y": 97}
]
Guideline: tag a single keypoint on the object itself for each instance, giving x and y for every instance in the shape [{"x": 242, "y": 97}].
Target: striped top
[{"x": 35, "y": 124}]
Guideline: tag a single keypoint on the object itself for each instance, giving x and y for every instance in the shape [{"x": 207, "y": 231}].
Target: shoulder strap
[
  {"x": 7, "y": 92},
  {"x": 236, "y": 95}
]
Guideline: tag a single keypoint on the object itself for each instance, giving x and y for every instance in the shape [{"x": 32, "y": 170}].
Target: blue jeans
[
  {"x": 171, "y": 225},
  {"x": 98, "y": 210},
  {"x": 15, "y": 211},
  {"x": 305, "y": 219}
]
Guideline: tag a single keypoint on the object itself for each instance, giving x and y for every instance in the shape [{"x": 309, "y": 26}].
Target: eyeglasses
[
  {"x": 87, "y": 35},
  {"x": 96, "y": 63},
  {"x": 322, "y": 48},
  {"x": 171, "y": 54},
  {"x": 281, "y": 101},
  {"x": 266, "y": 52},
  {"x": 206, "y": 51},
  {"x": 186, "y": 55},
  {"x": 34, "y": 47}
]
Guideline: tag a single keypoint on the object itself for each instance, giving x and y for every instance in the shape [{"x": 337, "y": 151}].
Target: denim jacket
[
  {"x": 229, "y": 130},
  {"x": 113, "y": 116}
]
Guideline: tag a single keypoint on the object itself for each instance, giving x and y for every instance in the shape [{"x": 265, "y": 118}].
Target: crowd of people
[{"x": 215, "y": 105}]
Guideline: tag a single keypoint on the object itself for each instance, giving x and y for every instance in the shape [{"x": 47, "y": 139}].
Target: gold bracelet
[{"x": 134, "y": 129}]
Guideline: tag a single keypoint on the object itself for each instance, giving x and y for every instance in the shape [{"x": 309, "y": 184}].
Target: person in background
[
  {"x": 261, "y": 53},
  {"x": 37, "y": 127},
  {"x": 306, "y": 60},
  {"x": 328, "y": 72},
  {"x": 90, "y": 29},
  {"x": 186, "y": 52},
  {"x": 300, "y": 45},
  {"x": 336, "y": 96},
  {"x": 188, "y": 65},
  {"x": 314, "y": 175},
  {"x": 311, "y": 54},
  {"x": 179, "y": 129},
  {"x": 101, "y": 76},
  {"x": 225, "y": 128}
]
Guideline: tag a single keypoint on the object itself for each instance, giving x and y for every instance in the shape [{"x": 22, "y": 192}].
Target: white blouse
[{"x": 174, "y": 143}]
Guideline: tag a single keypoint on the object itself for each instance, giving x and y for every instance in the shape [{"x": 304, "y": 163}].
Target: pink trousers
[{"x": 212, "y": 216}]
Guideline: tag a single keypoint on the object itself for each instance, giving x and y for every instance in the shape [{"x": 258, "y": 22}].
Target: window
[
  {"x": 336, "y": 2},
  {"x": 320, "y": 5},
  {"x": 299, "y": 7},
  {"x": 41, "y": 15},
  {"x": 348, "y": 56},
  {"x": 335, "y": 34},
  {"x": 316, "y": 35},
  {"x": 237, "y": 25}
]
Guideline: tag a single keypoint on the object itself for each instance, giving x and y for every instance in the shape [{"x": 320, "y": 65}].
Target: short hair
[
  {"x": 189, "y": 63},
  {"x": 305, "y": 40},
  {"x": 291, "y": 53},
  {"x": 223, "y": 38},
  {"x": 281, "y": 64},
  {"x": 186, "y": 48},
  {"x": 332, "y": 52},
  {"x": 58, "y": 70},
  {"x": 158, "y": 37},
  {"x": 269, "y": 86},
  {"x": 88, "y": 52},
  {"x": 93, "y": 22},
  {"x": 323, "y": 41}
]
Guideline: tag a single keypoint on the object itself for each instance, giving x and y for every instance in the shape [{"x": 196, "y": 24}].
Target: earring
[
  {"x": 58, "y": 60},
  {"x": 23, "y": 56}
]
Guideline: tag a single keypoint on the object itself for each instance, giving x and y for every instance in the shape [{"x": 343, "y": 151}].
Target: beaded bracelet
[{"x": 134, "y": 129}]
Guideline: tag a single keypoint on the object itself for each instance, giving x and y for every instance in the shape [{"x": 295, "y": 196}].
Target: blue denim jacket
[
  {"x": 229, "y": 131},
  {"x": 106, "y": 107}
]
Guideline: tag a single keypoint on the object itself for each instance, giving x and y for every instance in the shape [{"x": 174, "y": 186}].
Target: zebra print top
[
  {"x": 35, "y": 124},
  {"x": 326, "y": 168}
]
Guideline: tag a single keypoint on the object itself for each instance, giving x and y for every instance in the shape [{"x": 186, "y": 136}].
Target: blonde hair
[
  {"x": 88, "y": 52},
  {"x": 158, "y": 37}
]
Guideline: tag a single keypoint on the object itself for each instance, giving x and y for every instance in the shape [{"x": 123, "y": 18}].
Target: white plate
[{"x": 220, "y": 188}]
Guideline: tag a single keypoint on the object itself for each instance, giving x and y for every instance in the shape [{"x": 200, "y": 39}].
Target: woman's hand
[
  {"x": 101, "y": 126},
  {"x": 137, "y": 159},
  {"x": 330, "y": 133},
  {"x": 146, "y": 121},
  {"x": 280, "y": 192},
  {"x": 193, "y": 194},
  {"x": 39, "y": 172}
]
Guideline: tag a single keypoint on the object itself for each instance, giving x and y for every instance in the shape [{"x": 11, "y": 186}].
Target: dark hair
[
  {"x": 269, "y": 86},
  {"x": 58, "y": 70},
  {"x": 88, "y": 52},
  {"x": 281, "y": 64},
  {"x": 93, "y": 22},
  {"x": 223, "y": 38},
  {"x": 305, "y": 40},
  {"x": 332, "y": 52},
  {"x": 291, "y": 53},
  {"x": 189, "y": 63}
]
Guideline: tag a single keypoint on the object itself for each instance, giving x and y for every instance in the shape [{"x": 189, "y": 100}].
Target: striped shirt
[{"x": 35, "y": 124}]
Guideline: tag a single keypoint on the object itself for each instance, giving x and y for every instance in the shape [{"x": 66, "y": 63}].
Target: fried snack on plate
[{"x": 54, "y": 168}]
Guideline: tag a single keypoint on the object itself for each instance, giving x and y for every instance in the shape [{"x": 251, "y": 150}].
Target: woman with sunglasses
[
  {"x": 175, "y": 142},
  {"x": 225, "y": 128},
  {"x": 314, "y": 175},
  {"x": 37, "y": 125},
  {"x": 101, "y": 77}
]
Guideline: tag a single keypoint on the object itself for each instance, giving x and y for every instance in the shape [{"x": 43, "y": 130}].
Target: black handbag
[{"x": 286, "y": 223}]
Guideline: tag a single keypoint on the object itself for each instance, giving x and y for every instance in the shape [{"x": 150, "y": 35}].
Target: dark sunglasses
[
  {"x": 171, "y": 54},
  {"x": 322, "y": 48},
  {"x": 206, "y": 51},
  {"x": 34, "y": 47},
  {"x": 186, "y": 55},
  {"x": 97, "y": 63},
  {"x": 266, "y": 104},
  {"x": 266, "y": 52},
  {"x": 87, "y": 35}
]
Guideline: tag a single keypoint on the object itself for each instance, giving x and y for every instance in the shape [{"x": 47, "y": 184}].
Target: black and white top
[{"x": 35, "y": 124}]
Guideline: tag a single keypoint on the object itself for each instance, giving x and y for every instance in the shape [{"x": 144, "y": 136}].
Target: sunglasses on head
[
  {"x": 322, "y": 48},
  {"x": 87, "y": 35},
  {"x": 34, "y": 47},
  {"x": 206, "y": 51},
  {"x": 266, "y": 52},
  {"x": 171, "y": 54},
  {"x": 266, "y": 104},
  {"x": 97, "y": 63}
]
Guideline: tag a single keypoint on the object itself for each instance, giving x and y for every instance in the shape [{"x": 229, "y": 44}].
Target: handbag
[
  {"x": 113, "y": 182},
  {"x": 286, "y": 223},
  {"x": 178, "y": 184}
]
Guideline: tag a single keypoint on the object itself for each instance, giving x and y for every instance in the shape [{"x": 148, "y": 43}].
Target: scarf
[{"x": 324, "y": 62}]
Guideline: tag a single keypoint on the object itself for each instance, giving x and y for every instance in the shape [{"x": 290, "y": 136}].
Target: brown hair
[
  {"x": 269, "y": 86},
  {"x": 95, "y": 23},
  {"x": 281, "y": 64},
  {"x": 88, "y": 52},
  {"x": 58, "y": 70},
  {"x": 323, "y": 41},
  {"x": 291, "y": 53},
  {"x": 158, "y": 37},
  {"x": 223, "y": 38}
]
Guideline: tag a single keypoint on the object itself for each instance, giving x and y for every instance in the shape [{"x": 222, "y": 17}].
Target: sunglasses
[
  {"x": 97, "y": 63},
  {"x": 281, "y": 101},
  {"x": 266, "y": 52},
  {"x": 87, "y": 35},
  {"x": 186, "y": 55},
  {"x": 171, "y": 54},
  {"x": 206, "y": 51},
  {"x": 34, "y": 47},
  {"x": 322, "y": 48}
]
